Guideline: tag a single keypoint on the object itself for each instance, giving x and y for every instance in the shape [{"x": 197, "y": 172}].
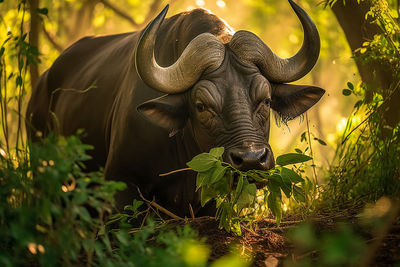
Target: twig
[
  {"x": 52, "y": 39},
  {"x": 158, "y": 207},
  {"x": 311, "y": 151},
  {"x": 191, "y": 211},
  {"x": 172, "y": 172},
  {"x": 119, "y": 12}
]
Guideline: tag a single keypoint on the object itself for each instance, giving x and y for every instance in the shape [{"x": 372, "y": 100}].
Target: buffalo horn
[
  {"x": 203, "y": 53},
  {"x": 249, "y": 48}
]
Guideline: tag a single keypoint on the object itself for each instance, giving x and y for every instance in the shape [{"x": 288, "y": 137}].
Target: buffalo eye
[
  {"x": 200, "y": 107},
  {"x": 267, "y": 101}
]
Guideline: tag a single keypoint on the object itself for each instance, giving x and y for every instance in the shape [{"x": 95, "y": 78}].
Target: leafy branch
[{"x": 234, "y": 191}]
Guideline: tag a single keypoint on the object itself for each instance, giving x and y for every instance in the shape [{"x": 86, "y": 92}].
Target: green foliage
[
  {"x": 235, "y": 191},
  {"x": 385, "y": 47},
  {"x": 46, "y": 205},
  {"x": 341, "y": 247},
  {"x": 52, "y": 213},
  {"x": 367, "y": 160}
]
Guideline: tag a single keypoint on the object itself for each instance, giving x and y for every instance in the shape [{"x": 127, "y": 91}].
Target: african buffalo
[{"x": 163, "y": 95}]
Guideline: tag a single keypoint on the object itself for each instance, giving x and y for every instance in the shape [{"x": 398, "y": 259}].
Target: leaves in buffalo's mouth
[{"x": 234, "y": 190}]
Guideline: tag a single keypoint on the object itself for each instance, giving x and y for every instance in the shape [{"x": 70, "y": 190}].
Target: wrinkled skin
[
  {"x": 139, "y": 133},
  {"x": 231, "y": 107}
]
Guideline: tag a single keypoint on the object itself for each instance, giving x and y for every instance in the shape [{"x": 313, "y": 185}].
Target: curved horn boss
[
  {"x": 250, "y": 48},
  {"x": 205, "y": 52}
]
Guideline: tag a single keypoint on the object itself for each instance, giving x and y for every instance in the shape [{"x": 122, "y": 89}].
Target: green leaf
[
  {"x": 298, "y": 151},
  {"x": 274, "y": 184},
  {"x": 18, "y": 81},
  {"x": 80, "y": 198},
  {"x": 217, "y": 152},
  {"x": 137, "y": 203},
  {"x": 291, "y": 158},
  {"x": 274, "y": 204},
  {"x": 350, "y": 85},
  {"x": 239, "y": 186},
  {"x": 235, "y": 228},
  {"x": 84, "y": 214},
  {"x": 117, "y": 186},
  {"x": 2, "y": 49},
  {"x": 202, "y": 162},
  {"x": 346, "y": 92},
  {"x": 218, "y": 173},
  {"x": 43, "y": 11},
  {"x": 247, "y": 195},
  {"x": 286, "y": 185},
  {"x": 207, "y": 193},
  {"x": 258, "y": 176},
  {"x": 202, "y": 179},
  {"x": 322, "y": 142},
  {"x": 224, "y": 217},
  {"x": 292, "y": 175},
  {"x": 299, "y": 194}
]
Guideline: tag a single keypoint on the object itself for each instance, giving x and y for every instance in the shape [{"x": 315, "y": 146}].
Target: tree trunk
[
  {"x": 34, "y": 38},
  {"x": 351, "y": 17}
]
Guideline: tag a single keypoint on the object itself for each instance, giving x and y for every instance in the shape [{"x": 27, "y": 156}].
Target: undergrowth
[{"x": 366, "y": 166}]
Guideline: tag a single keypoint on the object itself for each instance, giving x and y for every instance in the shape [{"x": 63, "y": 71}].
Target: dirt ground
[{"x": 270, "y": 247}]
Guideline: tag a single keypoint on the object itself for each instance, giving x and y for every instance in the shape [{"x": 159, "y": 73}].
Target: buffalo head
[{"x": 224, "y": 92}]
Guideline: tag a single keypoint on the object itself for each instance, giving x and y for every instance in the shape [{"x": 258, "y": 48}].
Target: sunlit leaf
[
  {"x": 291, "y": 158},
  {"x": 202, "y": 162},
  {"x": 218, "y": 173},
  {"x": 217, "y": 152},
  {"x": 274, "y": 204}
]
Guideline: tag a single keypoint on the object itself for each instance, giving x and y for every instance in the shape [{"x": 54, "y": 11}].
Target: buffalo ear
[
  {"x": 291, "y": 100},
  {"x": 167, "y": 111}
]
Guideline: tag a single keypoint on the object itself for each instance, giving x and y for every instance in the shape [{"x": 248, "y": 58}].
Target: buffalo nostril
[
  {"x": 236, "y": 160},
  {"x": 263, "y": 158}
]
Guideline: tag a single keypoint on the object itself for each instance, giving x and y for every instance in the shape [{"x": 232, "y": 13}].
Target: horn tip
[{"x": 164, "y": 11}]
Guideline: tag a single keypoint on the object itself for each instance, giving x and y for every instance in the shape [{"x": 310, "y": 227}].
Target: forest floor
[{"x": 270, "y": 246}]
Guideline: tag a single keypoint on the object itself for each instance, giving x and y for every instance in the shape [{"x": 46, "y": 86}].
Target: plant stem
[
  {"x": 175, "y": 171},
  {"x": 311, "y": 151}
]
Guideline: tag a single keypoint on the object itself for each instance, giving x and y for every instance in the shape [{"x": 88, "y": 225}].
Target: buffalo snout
[{"x": 245, "y": 159}]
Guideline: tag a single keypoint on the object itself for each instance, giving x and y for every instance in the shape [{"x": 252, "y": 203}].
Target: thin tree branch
[
  {"x": 158, "y": 207},
  {"x": 119, "y": 12},
  {"x": 175, "y": 171},
  {"x": 52, "y": 39}
]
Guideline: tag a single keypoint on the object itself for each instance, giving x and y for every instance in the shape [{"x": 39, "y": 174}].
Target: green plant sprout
[{"x": 235, "y": 190}]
